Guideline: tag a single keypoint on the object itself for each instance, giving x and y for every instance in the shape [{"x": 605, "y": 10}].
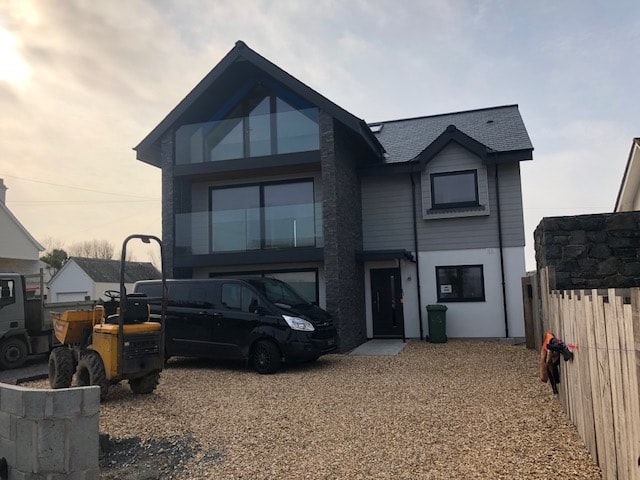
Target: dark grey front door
[{"x": 386, "y": 303}]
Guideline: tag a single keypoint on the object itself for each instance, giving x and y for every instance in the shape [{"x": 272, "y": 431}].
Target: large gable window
[
  {"x": 261, "y": 124},
  {"x": 454, "y": 189}
]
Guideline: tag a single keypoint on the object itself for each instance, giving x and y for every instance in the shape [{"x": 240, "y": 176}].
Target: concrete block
[
  {"x": 11, "y": 400},
  {"x": 16, "y": 474},
  {"x": 92, "y": 474},
  {"x": 5, "y": 425},
  {"x": 83, "y": 443},
  {"x": 8, "y": 449},
  {"x": 25, "y": 444},
  {"x": 34, "y": 403},
  {"x": 90, "y": 400},
  {"x": 50, "y": 446},
  {"x": 66, "y": 402}
]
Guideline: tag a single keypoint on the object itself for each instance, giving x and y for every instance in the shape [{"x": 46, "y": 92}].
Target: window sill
[{"x": 455, "y": 212}]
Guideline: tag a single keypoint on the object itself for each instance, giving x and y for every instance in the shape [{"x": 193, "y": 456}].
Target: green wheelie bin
[{"x": 437, "y": 315}]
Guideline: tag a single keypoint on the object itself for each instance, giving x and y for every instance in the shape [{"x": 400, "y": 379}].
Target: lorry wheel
[
  {"x": 265, "y": 357},
  {"x": 13, "y": 352},
  {"x": 60, "y": 367},
  {"x": 146, "y": 384},
  {"x": 91, "y": 372}
]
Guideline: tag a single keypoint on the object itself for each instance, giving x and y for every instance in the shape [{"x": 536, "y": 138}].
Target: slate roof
[
  {"x": 499, "y": 128},
  {"x": 108, "y": 271}
]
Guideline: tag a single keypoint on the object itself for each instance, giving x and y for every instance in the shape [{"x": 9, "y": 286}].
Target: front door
[{"x": 386, "y": 303}]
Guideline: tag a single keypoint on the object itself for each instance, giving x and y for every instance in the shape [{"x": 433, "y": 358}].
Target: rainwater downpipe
[
  {"x": 415, "y": 244},
  {"x": 504, "y": 289}
]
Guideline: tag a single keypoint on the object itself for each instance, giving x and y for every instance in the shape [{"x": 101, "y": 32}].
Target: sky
[{"x": 83, "y": 82}]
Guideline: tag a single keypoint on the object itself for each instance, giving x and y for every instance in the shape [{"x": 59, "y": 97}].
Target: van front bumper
[{"x": 306, "y": 347}]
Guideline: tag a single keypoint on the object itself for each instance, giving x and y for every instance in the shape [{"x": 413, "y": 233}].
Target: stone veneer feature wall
[
  {"x": 49, "y": 434},
  {"x": 342, "y": 230},
  {"x": 590, "y": 251}
]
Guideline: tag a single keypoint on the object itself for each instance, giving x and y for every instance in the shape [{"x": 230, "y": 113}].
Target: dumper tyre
[
  {"x": 91, "y": 372},
  {"x": 61, "y": 367},
  {"x": 146, "y": 384},
  {"x": 266, "y": 357},
  {"x": 13, "y": 352}
]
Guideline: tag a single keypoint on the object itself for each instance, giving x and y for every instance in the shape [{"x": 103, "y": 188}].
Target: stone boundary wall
[
  {"x": 590, "y": 251},
  {"x": 49, "y": 434}
]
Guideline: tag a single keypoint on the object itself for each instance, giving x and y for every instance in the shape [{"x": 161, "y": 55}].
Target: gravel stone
[{"x": 463, "y": 409}]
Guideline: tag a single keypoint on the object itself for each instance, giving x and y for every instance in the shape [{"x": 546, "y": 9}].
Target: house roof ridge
[
  {"x": 461, "y": 112},
  {"x": 31, "y": 238}
]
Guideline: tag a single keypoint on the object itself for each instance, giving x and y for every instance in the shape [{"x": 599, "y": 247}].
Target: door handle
[{"x": 217, "y": 315}]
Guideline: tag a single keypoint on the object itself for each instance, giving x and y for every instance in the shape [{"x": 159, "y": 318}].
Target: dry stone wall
[{"x": 590, "y": 251}]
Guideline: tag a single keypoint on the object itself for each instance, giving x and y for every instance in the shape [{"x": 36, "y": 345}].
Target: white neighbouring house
[
  {"x": 629, "y": 194},
  {"x": 19, "y": 251},
  {"x": 87, "y": 278}
]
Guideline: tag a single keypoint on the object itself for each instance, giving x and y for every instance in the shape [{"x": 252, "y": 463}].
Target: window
[
  {"x": 236, "y": 297},
  {"x": 273, "y": 215},
  {"x": 7, "y": 293},
  {"x": 463, "y": 283},
  {"x": 454, "y": 189}
]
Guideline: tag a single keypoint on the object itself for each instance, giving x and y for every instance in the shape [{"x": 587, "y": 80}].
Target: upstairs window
[{"x": 454, "y": 189}]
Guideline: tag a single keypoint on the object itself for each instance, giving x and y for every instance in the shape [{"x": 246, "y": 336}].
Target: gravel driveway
[{"x": 461, "y": 410}]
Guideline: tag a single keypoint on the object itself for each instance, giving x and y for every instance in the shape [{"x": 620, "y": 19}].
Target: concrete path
[
  {"x": 379, "y": 347},
  {"x": 36, "y": 368}
]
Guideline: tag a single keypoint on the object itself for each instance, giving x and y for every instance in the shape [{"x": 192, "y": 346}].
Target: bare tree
[{"x": 92, "y": 249}]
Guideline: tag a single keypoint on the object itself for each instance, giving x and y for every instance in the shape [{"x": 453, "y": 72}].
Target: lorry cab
[{"x": 261, "y": 320}]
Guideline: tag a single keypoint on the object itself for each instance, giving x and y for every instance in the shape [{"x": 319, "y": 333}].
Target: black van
[{"x": 262, "y": 320}]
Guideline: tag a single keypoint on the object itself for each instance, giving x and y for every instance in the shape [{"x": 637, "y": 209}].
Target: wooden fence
[{"x": 599, "y": 388}]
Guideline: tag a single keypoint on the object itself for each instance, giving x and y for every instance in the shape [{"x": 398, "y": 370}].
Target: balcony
[
  {"x": 252, "y": 136},
  {"x": 249, "y": 229}
]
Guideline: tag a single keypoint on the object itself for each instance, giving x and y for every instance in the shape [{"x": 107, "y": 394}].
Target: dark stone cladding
[
  {"x": 168, "y": 234},
  {"x": 590, "y": 251},
  {"x": 342, "y": 223}
]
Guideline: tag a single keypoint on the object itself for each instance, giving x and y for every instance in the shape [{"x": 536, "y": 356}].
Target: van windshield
[{"x": 278, "y": 292}]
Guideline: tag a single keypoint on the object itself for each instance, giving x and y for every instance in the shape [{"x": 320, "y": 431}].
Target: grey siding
[{"x": 387, "y": 216}]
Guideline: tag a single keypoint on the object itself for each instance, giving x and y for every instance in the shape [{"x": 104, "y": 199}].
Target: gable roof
[
  {"x": 630, "y": 183},
  {"x": 108, "y": 271},
  {"x": 500, "y": 129},
  {"x": 21, "y": 227},
  {"x": 148, "y": 150}
]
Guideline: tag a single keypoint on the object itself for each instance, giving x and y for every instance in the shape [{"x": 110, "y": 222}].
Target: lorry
[{"x": 25, "y": 323}]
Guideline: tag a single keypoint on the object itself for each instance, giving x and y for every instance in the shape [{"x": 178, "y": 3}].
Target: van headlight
[{"x": 297, "y": 323}]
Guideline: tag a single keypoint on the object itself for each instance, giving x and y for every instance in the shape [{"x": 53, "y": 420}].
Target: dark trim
[
  {"x": 461, "y": 297},
  {"x": 452, "y": 134},
  {"x": 251, "y": 257},
  {"x": 500, "y": 243},
  {"x": 443, "y": 206},
  {"x": 374, "y": 255},
  {"x": 510, "y": 156},
  {"x": 145, "y": 149},
  {"x": 263, "y": 273},
  {"x": 415, "y": 246},
  {"x": 251, "y": 163}
]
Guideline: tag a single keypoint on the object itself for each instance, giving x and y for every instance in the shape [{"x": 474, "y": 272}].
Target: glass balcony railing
[
  {"x": 286, "y": 226},
  {"x": 252, "y": 136}
]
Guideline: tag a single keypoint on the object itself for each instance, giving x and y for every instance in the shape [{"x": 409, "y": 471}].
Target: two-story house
[{"x": 263, "y": 175}]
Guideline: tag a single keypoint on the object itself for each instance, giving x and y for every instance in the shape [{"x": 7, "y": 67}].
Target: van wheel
[
  {"x": 60, "y": 367},
  {"x": 13, "y": 352},
  {"x": 91, "y": 372},
  {"x": 266, "y": 357},
  {"x": 146, "y": 384}
]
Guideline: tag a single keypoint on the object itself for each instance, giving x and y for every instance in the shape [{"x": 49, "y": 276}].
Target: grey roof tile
[
  {"x": 108, "y": 271},
  {"x": 499, "y": 128}
]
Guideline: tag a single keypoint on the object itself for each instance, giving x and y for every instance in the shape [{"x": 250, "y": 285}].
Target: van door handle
[{"x": 217, "y": 315}]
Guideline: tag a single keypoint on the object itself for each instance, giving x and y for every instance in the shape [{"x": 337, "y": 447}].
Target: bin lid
[{"x": 436, "y": 307}]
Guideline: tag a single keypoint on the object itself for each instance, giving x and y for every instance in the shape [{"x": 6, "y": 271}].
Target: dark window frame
[
  {"x": 435, "y": 205},
  {"x": 461, "y": 296},
  {"x": 261, "y": 186},
  {"x": 264, "y": 273}
]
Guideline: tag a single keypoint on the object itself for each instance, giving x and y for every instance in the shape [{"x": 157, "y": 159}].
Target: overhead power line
[{"x": 76, "y": 187}]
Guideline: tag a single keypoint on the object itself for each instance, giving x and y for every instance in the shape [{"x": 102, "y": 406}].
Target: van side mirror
[{"x": 255, "y": 307}]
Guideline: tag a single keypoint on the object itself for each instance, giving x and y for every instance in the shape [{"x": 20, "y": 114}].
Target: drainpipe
[
  {"x": 415, "y": 244},
  {"x": 504, "y": 290}
]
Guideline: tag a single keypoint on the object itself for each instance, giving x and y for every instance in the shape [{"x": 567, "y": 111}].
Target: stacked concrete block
[{"x": 49, "y": 434}]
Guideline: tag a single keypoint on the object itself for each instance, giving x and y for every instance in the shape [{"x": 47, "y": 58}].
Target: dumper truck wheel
[
  {"x": 90, "y": 371},
  {"x": 265, "y": 357},
  {"x": 146, "y": 384},
  {"x": 60, "y": 367},
  {"x": 13, "y": 352}
]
